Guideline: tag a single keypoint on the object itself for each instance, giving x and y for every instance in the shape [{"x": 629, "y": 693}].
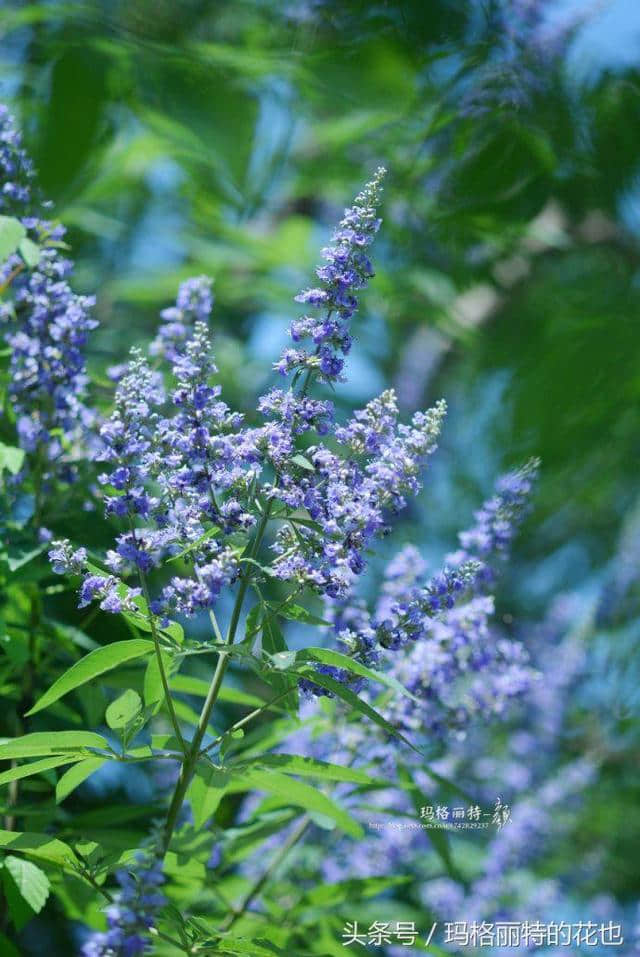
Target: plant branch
[{"x": 296, "y": 835}]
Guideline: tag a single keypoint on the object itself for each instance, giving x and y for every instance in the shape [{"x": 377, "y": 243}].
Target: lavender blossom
[
  {"x": 497, "y": 521},
  {"x": 193, "y": 304},
  {"x": 347, "y": 269},
  {"x": 132, "y": 914},
  {"x": 350, "y": 499},
  {"x": 48, "y": 327}
]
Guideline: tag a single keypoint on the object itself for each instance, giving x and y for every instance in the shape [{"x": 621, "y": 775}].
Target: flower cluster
[
  {"x": 132, "y": 913},
  {"x": 194, "y": 303},
  {"x": 347, "y": 269},
  {"x": 495, "y": 523},
  {"x": 15, "y": 165},
  {"x": 349, "y": 499},
  {"x": 48, "y": 327}
]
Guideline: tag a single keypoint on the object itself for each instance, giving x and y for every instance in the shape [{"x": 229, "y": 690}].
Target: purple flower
[
  {"x": 133, "y": 912},
  {"x": 347, "y": 270},
  {"x": 193, "y": 304}
]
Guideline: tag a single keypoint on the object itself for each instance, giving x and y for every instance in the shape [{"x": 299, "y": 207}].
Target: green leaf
[
  {"x": 34, "y": 767},
  {"x": 357, "y": 704},
  {"x": 253, "y": 623},
  {"x": 11, "y": 233},
  {"x": 273, "y": 643},
  {"x": 92, "y": 665},
  {"x": 293, "y": 792},
  {"x": 75, "y": 776},
  {"x": 311, "y": 767},
  {"x": 30, "y": 880},
  {"x": 206, "y": 792},
  {"x": 11, "y": 458},
  {"x": 153, "y": 689},
  {"x": 283, "y": 660},
  {"x": 50, "y": 742},
  {"x": 123, "y": 710},
  {"x": 6, "y": 947},
  {"x": 20, "y": 555},
  {"x": 298, "y": 613},
  {"x": 17, "y": 908},
  {"x": 355, "y": 888},
  {"x": 440, "y": 843},
  {"x": 30, "y": 252},
  {"x": 303, "y": 462},
  {"x": 328, "y": 657},
  {"x": 41, "y": 846},
  {"x": 194, "y": 546}
]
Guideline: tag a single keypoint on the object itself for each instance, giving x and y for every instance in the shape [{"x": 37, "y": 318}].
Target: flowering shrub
[{"x": 220, "y": 527}]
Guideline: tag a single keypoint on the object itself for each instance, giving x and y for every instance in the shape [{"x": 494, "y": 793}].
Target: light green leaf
[
  {"x": 253, "y": 623},
  {"x": 92, "y": 665},
  {"x": 30, "y": 880},
  {"x": 20, "y": 555},
  {"x": 11, "y": 458},
  {"x": 11, "y": 233},
  {"x": 123, "y": 710},
  {"x": 194, "y": 546},
  {"x": 153, "y": 689},
  {"x": 205, "y": 793},
  {"x": 298, "y": 613},
  {"x": 273, "y": 643},
  {"x": 328, "y": 657},
  {"x": 357, "y": 704},
  {"x": 355, "y": 888},
  {"x": 34, "y": 767},
  {"x": 311, "y": 767},
  {"x": 303, "y": 462},
  {"x": 294, "y": 792},
  {"x": 41, "y": 743},
  {"x": 41, "y": 846},
  {"x": 75, "y": 776},
  {"x": 187, "y": 684},
  {"x": 30, "y": 252}
]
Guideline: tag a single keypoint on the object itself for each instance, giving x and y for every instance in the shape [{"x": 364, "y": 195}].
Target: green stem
[
  {"x": 193, "y": 753},
  {"x": 192, "y": 756},
  {"x": 296, "y": 835},
  {"x": 247, "y": 718},
  {"x": 163, "y": 674}
]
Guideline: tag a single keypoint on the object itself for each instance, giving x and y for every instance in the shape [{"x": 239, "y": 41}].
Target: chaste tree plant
[{"x": 221, "y": 530}]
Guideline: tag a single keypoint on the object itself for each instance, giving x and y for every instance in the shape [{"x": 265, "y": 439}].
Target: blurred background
[{"x": 180, "y": 137}]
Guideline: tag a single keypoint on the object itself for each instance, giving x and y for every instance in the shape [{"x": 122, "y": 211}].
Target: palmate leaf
[
  {"x": 187, "y": 684},
  {"x": 295, "y": 612},
  {"x": 125, "y": 709},
  {"x": 153, "y": 690},
  {"x": 438, "y": 838},
  {"x": 96, "y": 663}
]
